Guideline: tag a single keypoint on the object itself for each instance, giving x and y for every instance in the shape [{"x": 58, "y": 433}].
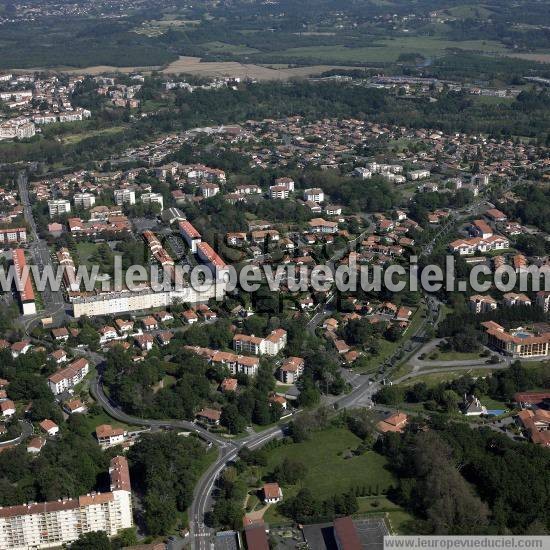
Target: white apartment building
[
  {"x": 153, "y": 198},
  {"x": 270, "y": 345},
  {"x": 84, "y": 200},
  {"x": 363, "y": 173},
  {"x": 314, "y": 194},
  {"x": 137, "y": 300},
  {"x": 56, "y": 523},
  {"x": 319, "y": 225},
  {"x": 58, "y": 207},
  {"x": 285, "y": 182},
  {"x": 209, "y": 190},
  {"x": 279, "y": 192},
  {"x": 418, "y": 174},
  {"x": 16, "y": 235},
  {"x": 17, "y": 128},
  {"x": 291, "y": 369},
  {"x": 70, "y": 376},
  {"x": 124, "y": 196}
]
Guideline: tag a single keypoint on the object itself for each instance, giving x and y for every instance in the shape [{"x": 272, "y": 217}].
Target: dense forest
[{"x": 464, "y": 481}]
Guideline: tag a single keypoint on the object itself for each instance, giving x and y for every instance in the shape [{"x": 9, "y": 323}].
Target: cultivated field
[
  {"x": 194, "y": 65},
  {"x": 540, "y": 57}
]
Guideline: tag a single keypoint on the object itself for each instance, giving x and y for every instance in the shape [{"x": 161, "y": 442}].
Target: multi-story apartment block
[
  {"x": 69, "y": 270},
  {"x": 285, "y": 182},
  {"x": 153, "y": 198},
  {"x": 314, "y": 195},
  {"x": 278, "y": 192},
  {"x": 482, "y": 304},
  {"x": 16, "y": 235},
  {"x": 70, "y": 376},
  {"x": 23, "y": 282},
  {"x": 191, "y": 236},
  {"x": 17, "y": 128},
  {"x": 58, "y": 207},
  {"x": 418, "y": 174},
  {"x": 124, "y": 196},
  {"x": 210, "y": 257},
  {"x": 126, "y": 301},
  {"x": 84, "y": 200},
  {"x": 319, "y": 225},
  {"x": 270, "y": 345},
  {"x": 56, "y": 523},
  {"x": 291, "y": 369},
  {"x": 519, "y": 342},
  {"x": 543, "y": 300},
  {"x": 237, "y": 364}
]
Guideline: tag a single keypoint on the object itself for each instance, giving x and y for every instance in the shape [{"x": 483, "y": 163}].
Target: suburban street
[{"x": 54, "y": 302}]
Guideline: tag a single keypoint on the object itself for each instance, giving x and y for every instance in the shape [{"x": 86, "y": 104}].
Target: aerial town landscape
[{"x": 273, "y": 275}]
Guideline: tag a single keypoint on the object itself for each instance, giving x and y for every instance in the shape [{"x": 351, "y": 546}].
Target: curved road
[{"x": 26, "y": 432}]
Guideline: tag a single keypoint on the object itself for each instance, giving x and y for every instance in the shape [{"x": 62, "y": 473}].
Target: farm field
[
  {"x": 195, "y": 66},
  {"x": 388, "y": 51}
]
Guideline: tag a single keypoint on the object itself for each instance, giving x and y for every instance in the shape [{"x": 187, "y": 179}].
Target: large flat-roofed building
[
  {"x": 23, "y": 282},
  {"x": 56, "y": 523},
  {"x": 137, "y": 300},
  {"x": 519, "y": 342}
]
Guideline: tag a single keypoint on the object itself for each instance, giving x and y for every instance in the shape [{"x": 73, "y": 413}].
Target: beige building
[
  {"x": 53, "y": 524},
  {"x": 519, "y": 342}
]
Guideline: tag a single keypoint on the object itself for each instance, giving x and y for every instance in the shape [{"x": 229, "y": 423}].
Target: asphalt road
[{"x": 54, "y": 302}]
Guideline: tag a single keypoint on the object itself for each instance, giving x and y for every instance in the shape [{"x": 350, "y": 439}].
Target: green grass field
[
  {"x": 232, "y": 49},
  {"x": 71, "y": 139},
  {"x": 329, "y": 470},
  {"x": 389, "y": 50},
  {"x": 85, "y": 251},
  {"x": 456, "y": 356}
]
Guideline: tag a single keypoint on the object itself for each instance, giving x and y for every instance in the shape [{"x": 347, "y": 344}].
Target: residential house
[
  {"x": 272, "y": 493},
  {"x": 107, "y": 436}
]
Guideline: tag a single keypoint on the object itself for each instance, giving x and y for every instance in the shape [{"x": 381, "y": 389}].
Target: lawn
[
  {"x": 71, "y": 139},
  {"x": 330, "y": 467},
  {"x": 85, "y": 251},
  {"x": 456, "y": 356}
]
